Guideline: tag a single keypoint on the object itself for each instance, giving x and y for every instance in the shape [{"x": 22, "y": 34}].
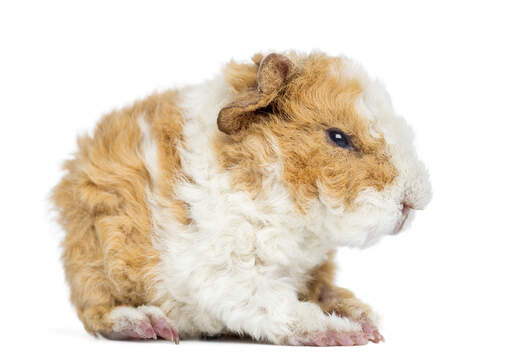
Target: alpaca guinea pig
[{"x": 216, "y": 209}]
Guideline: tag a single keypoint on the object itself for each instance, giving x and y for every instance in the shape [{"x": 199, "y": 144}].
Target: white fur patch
[{"x": 149, "y": 149}]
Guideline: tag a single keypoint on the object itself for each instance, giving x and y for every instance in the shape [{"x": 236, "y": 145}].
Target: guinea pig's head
[{"x": 346, "y": 159}]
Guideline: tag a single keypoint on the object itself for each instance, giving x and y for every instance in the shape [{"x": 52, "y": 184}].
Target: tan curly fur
[
  {"x": 108, "y": 256},
  {"x": 312, "y": 99}
]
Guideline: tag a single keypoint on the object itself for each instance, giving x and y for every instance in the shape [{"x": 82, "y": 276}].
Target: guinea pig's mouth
[{"x": 406, "y": 211}]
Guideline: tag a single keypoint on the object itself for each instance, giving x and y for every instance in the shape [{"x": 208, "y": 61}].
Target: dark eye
[{"x": 338, "y": 138}]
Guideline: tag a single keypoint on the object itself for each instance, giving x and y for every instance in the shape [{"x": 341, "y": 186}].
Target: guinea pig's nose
[{"x": 405, "y": 208}]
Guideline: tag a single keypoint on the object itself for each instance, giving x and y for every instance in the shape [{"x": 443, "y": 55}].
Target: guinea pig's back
[{"x": 102, "y": 206}]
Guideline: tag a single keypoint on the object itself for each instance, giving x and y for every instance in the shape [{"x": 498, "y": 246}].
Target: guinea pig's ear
[{"x": 273, "y": 72}]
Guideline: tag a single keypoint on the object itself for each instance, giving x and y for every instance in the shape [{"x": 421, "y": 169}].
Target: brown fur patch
[
  {"x": 247, "y": 157},
  {"x": 332, "y": 299},
  {"x": 310, "y": 102},
  {"x": 166, "y": 122},
  {"x": 108, "y": 256}
]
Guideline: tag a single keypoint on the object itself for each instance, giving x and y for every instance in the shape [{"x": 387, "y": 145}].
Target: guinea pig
[{"x": 216, "y": 209}]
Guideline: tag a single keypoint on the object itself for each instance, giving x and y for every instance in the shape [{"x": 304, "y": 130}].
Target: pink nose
[
  {"x": 405, "y": 213},
  {"x": 405, "y": 208}
]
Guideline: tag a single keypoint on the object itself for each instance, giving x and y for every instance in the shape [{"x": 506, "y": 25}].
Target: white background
[{"x": 442, "y": 287}]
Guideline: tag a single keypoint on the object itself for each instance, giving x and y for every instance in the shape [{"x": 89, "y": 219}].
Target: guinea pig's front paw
[
  {"x": 357, "y": 311},
  {"x": 144, "y": 322},
  {"x": 370, "y": 329},
  {"x": 368, "y": 321},
  {"x": 332, "y": 330},
  {"x": 330, "y": 338}
]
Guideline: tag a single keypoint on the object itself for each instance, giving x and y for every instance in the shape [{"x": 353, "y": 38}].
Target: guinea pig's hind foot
[{"x": 144, "y": 322}]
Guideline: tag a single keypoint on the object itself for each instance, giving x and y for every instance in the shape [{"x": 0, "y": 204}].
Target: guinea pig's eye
[{"x": 339, "y": 138}]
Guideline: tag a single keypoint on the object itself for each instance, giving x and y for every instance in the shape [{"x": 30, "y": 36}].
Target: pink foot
[
  {"x": 144, "y": 322},
  {"x": 134, "y": 330},
  {"x": 164, "y": 330},
  {"x": 332, "y": 338},
  {"x": 371, "y": 332}
]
